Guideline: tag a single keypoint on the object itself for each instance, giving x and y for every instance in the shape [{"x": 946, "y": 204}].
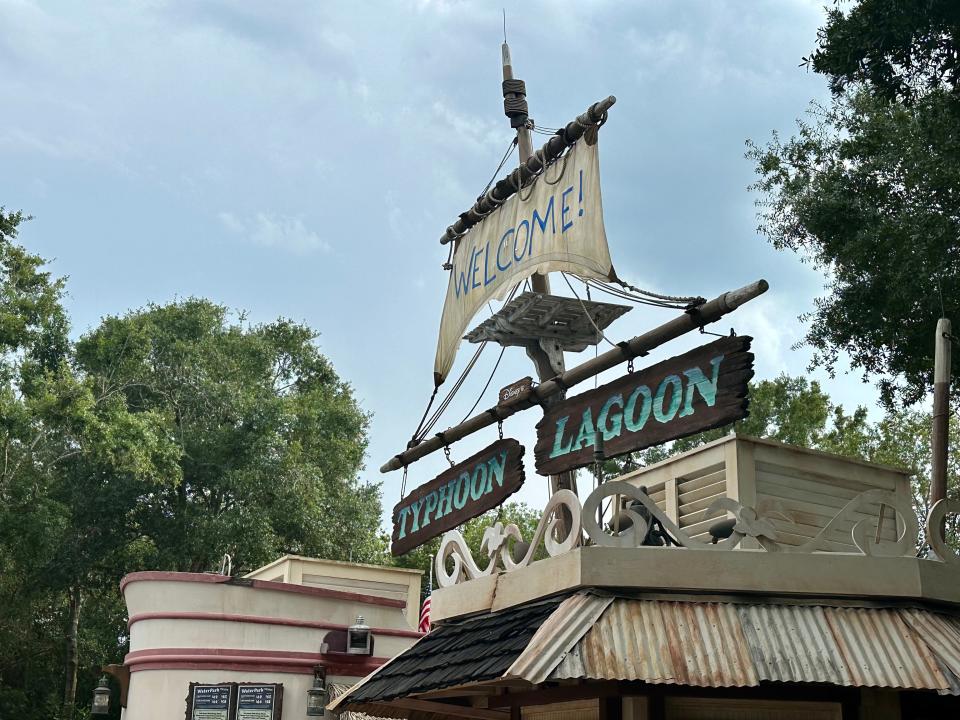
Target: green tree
[
  {"x": 902, "y": 50},
  {"x": 162, "y": 439},
  {"x": 270, "y": 439},
  {"x": 789, "y": 409},
  {"x": 869, "y": 190}
]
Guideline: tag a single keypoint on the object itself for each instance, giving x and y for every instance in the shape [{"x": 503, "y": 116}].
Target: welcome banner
[{"x": 554, "y": 225}]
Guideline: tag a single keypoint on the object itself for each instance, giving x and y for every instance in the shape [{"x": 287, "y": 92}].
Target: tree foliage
[
  {"x": 869, "y": 191},
  {"x": 902, "y": 50},
  {"x": 161, "y": 440},
  {"x": 270, "y": 439}
]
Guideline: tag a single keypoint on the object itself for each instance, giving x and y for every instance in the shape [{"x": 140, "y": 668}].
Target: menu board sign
[
  {"x": 258, "y": 702},
  {"x": 235, "y": 701},
  {"x": 210, "y": 702}
]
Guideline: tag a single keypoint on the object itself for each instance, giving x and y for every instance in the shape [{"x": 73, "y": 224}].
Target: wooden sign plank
[
  {"x": 515, "y": 392},
  {"x": 465, "y": 491},
  {"x": 699, "y": 390}
]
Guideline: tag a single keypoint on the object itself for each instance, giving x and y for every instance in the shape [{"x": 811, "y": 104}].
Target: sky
[{"x": 301, "y": 159}]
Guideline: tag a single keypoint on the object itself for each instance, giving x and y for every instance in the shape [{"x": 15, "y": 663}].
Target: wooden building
[{"x": 815, "y": 607}]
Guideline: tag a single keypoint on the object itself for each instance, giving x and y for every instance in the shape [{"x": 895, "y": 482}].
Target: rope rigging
[
  {"x": 644, "y": 297},
  {"x": 486, "y": 386},
  {"x": 510, "y": 149},
  {"x": 426, "y": 425}
]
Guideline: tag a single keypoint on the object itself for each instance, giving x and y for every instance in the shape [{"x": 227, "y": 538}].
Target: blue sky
[{"x": 302, "y": 159}]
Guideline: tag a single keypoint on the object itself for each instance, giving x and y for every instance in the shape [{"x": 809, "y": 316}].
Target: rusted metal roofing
[
  {"x": 942, "y": 634},
  {"x": 710, "y": 644},
  {"x": 682, "y": 643},
  {"x": 558, "y": 634},
  {"x": 740, "y": 643}
]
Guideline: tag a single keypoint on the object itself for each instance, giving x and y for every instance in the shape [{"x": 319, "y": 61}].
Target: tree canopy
[
  {"x": 869, "y": 191},
  {"x": 162, "y": 439},
  {"x": 902, "y": 50}
]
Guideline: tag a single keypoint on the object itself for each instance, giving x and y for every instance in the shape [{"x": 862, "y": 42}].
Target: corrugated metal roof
[
  {"x": 557, "y": 635},
  {"x": 880, "y": 650},
  {"x": 790, "y": 643},
  {"x": 942, "y": 634},
  {"x": 710, "y": 644},
  {"x": 699, "y": 644},
  {"x": 740, "y": 643}
]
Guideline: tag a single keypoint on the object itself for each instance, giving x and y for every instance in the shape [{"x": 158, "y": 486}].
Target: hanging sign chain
[
  {"x": 446, "y": 451},
  {"x": 500, "y": 429}
]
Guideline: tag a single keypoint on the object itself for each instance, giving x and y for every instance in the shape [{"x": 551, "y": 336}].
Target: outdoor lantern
[
  {"x": 359, "y": 638},
  {"x": 317, "y": 695},
  {"x": 101, "y": 697}
]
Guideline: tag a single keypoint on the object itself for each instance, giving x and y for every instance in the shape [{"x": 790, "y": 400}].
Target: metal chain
[
  {"x": 403, "y": 484},
  {"x": 500, "y": 429},
  {"x": 446, "y": 451},
  {"x": 630, "y": 365}
]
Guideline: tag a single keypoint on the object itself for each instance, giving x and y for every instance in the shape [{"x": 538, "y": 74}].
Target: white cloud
[{"x": 283, "y": 232}]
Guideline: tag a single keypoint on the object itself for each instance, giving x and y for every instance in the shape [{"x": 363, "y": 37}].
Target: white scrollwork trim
[
  {"x": 934, "y": 530},
  {"x": 865, "y": 527},
  {"x": 635, "y": 534},
  {"x": 496, "y": 545}
]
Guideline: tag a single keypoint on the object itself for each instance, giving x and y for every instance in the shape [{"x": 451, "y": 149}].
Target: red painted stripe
[
  {"x": 262, "y": 584},
  {"x": 263, "y": 620},
  {"x": 358, "y": 671},
  {"x": 248, "y": 653},
  {"x": 249, "y": 660},
  {"x": 171, "y": 576}
]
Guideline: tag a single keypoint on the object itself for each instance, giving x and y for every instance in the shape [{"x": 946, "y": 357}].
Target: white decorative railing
[{"x": 866, "y": 533}]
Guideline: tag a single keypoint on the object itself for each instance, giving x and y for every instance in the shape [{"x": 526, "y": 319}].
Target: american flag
[{"x": 424, "y": 625}]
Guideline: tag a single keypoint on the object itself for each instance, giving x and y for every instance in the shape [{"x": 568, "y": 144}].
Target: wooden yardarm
[
  {"x": 465, "y": 491},
  {"x": 699, "y": 390},
  {"x": 705, "y": 314}
]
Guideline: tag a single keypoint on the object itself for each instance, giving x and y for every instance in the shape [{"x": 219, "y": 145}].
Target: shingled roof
[
  {"x": 473, "y": 649},
  {"x": 738, "y": 642}
]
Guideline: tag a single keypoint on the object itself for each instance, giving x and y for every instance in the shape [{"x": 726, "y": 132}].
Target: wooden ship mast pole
[{"x": 548, "y": 364}]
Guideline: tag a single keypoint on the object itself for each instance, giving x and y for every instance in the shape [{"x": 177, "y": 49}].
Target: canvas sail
[{"x": 554, "y": 225}]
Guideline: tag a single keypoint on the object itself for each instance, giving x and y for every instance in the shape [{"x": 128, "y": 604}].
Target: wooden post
[
  {"x": 547, "y": 367},
  {"x": 941, "y": 412}
]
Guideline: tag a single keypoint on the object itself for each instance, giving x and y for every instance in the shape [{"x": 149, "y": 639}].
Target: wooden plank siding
[{"x": 810, "y": 487}]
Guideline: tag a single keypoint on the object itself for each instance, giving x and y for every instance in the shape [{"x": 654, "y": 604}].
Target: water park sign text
[
  {"x": 456, "y": 495},
  {"x": 554, "y": 225},
  {"x": 699, "y": 390}
]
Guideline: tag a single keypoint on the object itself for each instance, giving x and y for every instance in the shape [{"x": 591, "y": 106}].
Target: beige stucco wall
[
  {"x": 211, "y": 629},
  {"x": 400, "y": 583}
]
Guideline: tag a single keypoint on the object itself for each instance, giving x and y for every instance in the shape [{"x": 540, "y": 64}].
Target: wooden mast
[
  {"x": 941, "y": 412},
  {"x": 548, "y": 363}
]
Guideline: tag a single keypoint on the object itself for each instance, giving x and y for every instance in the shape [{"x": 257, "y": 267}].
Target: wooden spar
[
  {"x": 707, "y": 313},
  {"x": 941, "y": 412},
  {"x": 547, "y": 364},
  {"x": 506, "y": 187}
]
